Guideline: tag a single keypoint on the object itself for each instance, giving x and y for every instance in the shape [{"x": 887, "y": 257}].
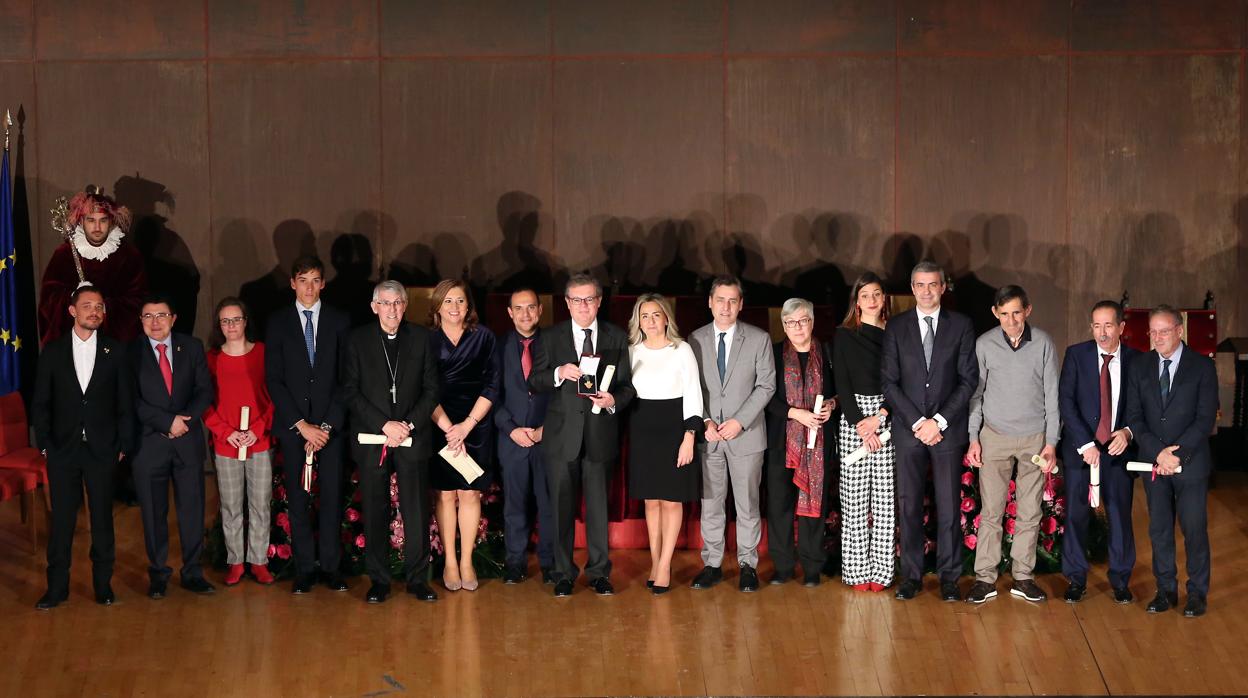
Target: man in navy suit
[
  {"x": 1093, "y": 402},
  {"x": 519, "y": 415},
  {"x": 302, "y": 347},
  {"x": 928, "y": 374},
  {"x": 1172, "y": 406},
  {"x": 172, "y": 390}
]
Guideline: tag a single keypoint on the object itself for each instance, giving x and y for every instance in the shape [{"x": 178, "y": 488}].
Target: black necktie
[
  {"x": 1165, "y": 380},
  {"x": 587, "y": 347}
]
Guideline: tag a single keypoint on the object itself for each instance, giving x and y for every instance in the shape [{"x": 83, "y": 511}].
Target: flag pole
[{"x": 8, "y": 124}]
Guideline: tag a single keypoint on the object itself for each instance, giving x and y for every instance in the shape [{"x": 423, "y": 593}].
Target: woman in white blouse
[{"x": 666, "y": 418}]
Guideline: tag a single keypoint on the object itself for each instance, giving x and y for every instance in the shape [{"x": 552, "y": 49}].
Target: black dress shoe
[
  {"x": 104, "y": 596},
  {"x": 1196, "y": 606},
  {"x": 563, "y": 588},
  {"x": 157, "y": 589},
  {"x": 781, "y": 577},
  {"x": 1122, "y": 595},
  {"x": 749, "y": 579},
  {"x": 333, "y": 581},
  {"x": 949, "y": 591},
  {"x": 422, "y": 591},
  {"x": 1075, "y": 592},
  {"x": 707, "y": 578},
  {"x": 513, "y": 574},
  {"x": 303, "y": 584},
  {"x": 377, "y": 593},
  {"x": 198, "y": 585},
  {"x": 548, "y": 576},
  {"x": 907, "y": 590},
  {"x": 50, "y": 600},
  {"x": 1163, "y": 601},
  {"x": 602, "y": 586},
  {"x": 810, "y": 580}
]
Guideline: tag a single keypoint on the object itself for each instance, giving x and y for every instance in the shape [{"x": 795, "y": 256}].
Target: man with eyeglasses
[
  {"x": 83, "y": 415},
  {"x": 738, "y": 380},
  {"x": 302, "y": 345},
  {"x": 580, "y": 445},
  {"x": 1172, "y": 406},
  {"x": 172, "y": 390}
]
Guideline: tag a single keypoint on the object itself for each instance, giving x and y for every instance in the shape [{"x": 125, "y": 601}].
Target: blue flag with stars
[{"x": 11, "y": 336}]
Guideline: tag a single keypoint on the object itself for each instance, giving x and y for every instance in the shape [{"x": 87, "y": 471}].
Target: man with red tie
[
  {"x": 1092, "y": 399},
  {"x": 172, "y": 389}
]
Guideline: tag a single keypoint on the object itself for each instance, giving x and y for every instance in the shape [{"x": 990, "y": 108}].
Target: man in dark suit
[
  {"x": 519, "y": 415},
  {"x": 1172, "y": 406},
  {"x": 928, "y": 374},
  {"x": 172, "y": 390},
  {"x": 83, "y": 414},
  {"x": 1093, "y": 399},
  {"x": 578, "y": 445},
  {"x": 390, "y": 387},
  {"x": 301, "y": 357}
]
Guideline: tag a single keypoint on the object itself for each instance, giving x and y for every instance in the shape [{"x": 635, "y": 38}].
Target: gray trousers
[
  {"x": 746, "y": 474},
  {"x": 250, "y": 480},
  {"x": 1000, "y": 454}
]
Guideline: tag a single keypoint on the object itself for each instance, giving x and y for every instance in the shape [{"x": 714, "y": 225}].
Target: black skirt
[{"x": 656, "y": 429}]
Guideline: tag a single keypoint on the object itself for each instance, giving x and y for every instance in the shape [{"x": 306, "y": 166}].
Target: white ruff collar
[{"x": 88, "y": 251}]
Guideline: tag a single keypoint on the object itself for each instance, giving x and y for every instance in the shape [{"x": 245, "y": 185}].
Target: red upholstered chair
[
  {"x": 22, "y": 483},
  {"x": 16, "y": 453}
]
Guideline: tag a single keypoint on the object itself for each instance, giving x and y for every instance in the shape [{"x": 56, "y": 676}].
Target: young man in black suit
[
  {"x": 83, "y": 414},
  {"x": 172, "y": 390},
  {"x": 578, "y": 445},
  {"x": 301, "y": 355},
  {"x": 1172, "y": 406},
  {"x": 928, "y": 374}
]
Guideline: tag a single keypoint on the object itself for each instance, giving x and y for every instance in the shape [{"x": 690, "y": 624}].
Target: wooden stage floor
[{"x": 519, "y": 641}]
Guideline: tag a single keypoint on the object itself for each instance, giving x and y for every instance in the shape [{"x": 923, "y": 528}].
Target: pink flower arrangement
[
  {"x": 359, "y": 541},
  {"x": 353, "y": 514},
  {"x": 1011, "y": 509},
  {"x": 978, "y": 518},
  {"x": 1048, "y": 525},
  {"x": 968, "y": 504},
  {"x": 283, "y": 551},
  {"x": 1009, "y": 526},
  {"x": 1048, "y": 544},
  {"x": 271, "y": 552},
  {"x": 283, "y": 522},
  {"x": 1013, "y": 486},
  {"x": 968, "y": 478},
  {"x": 970, "y": 541}
]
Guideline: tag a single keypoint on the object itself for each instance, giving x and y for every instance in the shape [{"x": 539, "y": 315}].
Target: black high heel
[
  {"x": 649, "y": 583},
  {"x": 658, "y": 590}
]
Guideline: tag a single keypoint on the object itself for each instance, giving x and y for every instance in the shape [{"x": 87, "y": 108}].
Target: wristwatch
[{"x": 326, "y": 428}]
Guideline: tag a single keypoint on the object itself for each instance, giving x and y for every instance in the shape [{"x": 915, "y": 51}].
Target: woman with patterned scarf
[{"x": 797, "y": 470}]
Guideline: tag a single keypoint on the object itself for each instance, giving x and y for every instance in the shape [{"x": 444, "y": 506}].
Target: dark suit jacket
[
  {"x": 1079, "y": 397},
  {"x": 569, "y": 420},
  {"x": 778, "y": 408},
  {"x": 61, "y": 412},
  {"x": 1187, "y": 418},
  {"x": 913, "y": 391},
  {"x": 517, "y": 406},
  {"x": 299, "y": 390},
  {"x": 366, "y": 388},
  {"x": 193, "y": 392}
]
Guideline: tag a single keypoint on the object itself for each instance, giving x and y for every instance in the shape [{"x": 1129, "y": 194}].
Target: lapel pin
[{"x": 106, "y": 350}]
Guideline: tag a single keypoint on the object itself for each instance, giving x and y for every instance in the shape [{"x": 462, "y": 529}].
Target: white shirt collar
[
  {"x": 89, "y": 341},
  {"x": 935, "y": 314},
  {"x": 1174, "y": 358},
  {"x": 316, "y": 308},
  {"x": 728, "y": 332}
]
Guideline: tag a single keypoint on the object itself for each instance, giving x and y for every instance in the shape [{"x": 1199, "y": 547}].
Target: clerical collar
[{"x": 99, "y": 252}]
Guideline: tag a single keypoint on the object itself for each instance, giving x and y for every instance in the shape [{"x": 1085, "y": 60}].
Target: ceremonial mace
[{"x": 60, "y": 223}]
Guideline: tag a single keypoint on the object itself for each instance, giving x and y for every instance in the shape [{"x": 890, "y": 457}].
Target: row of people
[{"x": 916, "y": 392}]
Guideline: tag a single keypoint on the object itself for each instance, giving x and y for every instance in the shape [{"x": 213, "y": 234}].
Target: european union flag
[{"x": 11, "y": 339}]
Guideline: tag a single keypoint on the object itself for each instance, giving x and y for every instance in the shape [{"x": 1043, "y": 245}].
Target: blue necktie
[
  {"x": 1165, "y": 380},
  {"x": 722, "y": 360},
  {"x": 929, "y": 342},
  {"x": 309, "y": 339}
]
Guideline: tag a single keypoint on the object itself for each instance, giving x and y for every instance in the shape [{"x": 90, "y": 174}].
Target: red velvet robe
[{"x": 121, "y": 276}]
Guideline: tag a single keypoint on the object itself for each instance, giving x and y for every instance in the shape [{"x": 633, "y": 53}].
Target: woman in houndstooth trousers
[{"x": 867, "y": 503}]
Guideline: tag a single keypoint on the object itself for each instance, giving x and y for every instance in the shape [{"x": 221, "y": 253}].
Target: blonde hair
[{"x": 635, "y": 333}]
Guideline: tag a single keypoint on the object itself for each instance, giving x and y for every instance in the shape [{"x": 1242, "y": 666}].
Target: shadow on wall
[
  {"x": 291, "y": 239},
  {"x": 171, "y": 268},
  {"x": 517, "y": 261}
]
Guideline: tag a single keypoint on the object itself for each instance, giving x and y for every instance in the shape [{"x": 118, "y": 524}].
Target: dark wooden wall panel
[
  {"x": 152, "y": 155},
  {"x": 1032, "y": 26},
  {"x": 1157, "y": 25},
  {"x": 1154, "y": 182},
  {"x": 17, "y": 29},
  {"x": 70, "y": 30},
  {"x": 467, "y": 169},
  {"x": 811, "y": 25},
  {"x": 810, "y": 160},
  {"x": 295, "y": 165},
  {"x": 465, "y": 27},
  {"x": 638, "y": 26},
  {"x": 301, "y": 28},
  {"x": 981, "y": 177},
  {"x": 638, "y": 156}
]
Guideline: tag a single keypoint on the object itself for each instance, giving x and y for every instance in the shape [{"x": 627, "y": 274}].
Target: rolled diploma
[
  {"x": 244, "y": 419},
  {"x": 814, "y": 431},
  {"x": 1037, "y": 460},
  {"x": 1094, "y": 492},
  {"x": 607, "y": 375},
  {"x": 861, "y": 452},
  {"x": 378, "y": 439},
  {"x": 307, "y": 473}
]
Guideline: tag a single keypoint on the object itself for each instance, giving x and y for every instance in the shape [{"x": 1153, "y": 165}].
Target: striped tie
[{"x": 309, "y": 339}]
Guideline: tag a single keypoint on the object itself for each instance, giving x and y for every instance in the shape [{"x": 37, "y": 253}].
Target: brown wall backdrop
[{"x": 1081, "y": 148}]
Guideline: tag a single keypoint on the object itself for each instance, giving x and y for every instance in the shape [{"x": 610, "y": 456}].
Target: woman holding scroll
[
  {"x": 239, "y": 421},
  {"x": 799, "y": 446},
  {"x": 465, "y": 353},
  {"x": 866, "y": 484}
]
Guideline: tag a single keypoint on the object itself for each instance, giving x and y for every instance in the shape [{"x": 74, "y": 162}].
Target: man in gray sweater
[{"x": 1014, "y": 416}]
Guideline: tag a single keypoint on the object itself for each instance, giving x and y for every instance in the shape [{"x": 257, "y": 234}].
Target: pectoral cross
[{"x": 394, "y": 394}]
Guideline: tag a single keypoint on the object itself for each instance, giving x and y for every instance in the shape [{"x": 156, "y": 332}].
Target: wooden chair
[
  {"x": 16, "y": 453},
  {"x": 22, "y": 484}
]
